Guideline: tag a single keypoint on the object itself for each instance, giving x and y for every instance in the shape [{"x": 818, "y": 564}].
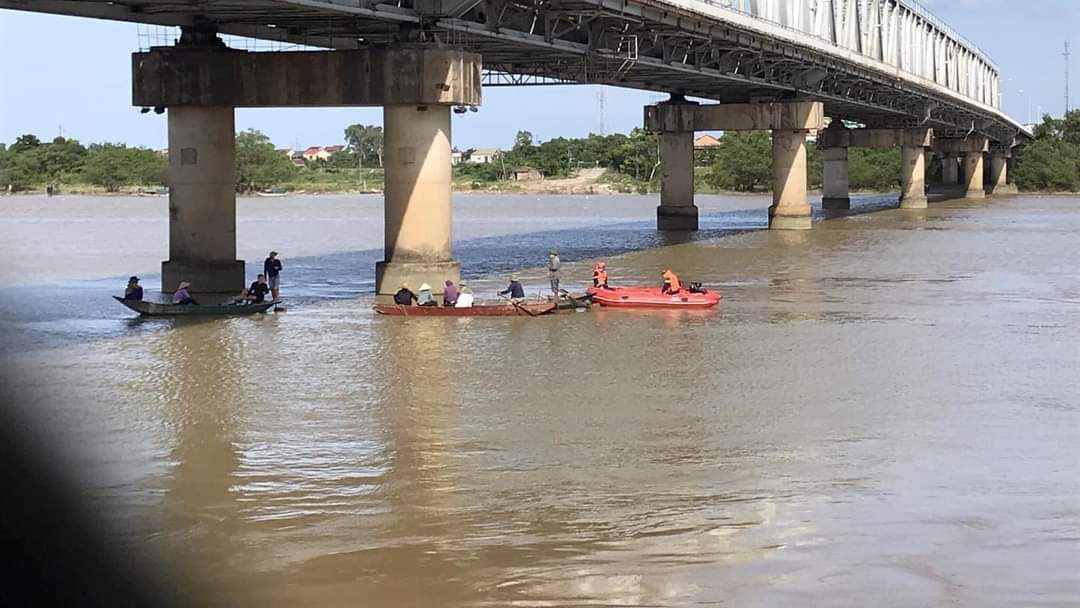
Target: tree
[
  {"x": 1052, "y": 161},
  {"x": 25, "y": 142},
  {"x": 106, "y": 166},
  {"x": 366, "y": 140},
  {"x": 523, "y": 141},
  {"x": 743, "y": 161},
  {"x": 258, "y": 164}
]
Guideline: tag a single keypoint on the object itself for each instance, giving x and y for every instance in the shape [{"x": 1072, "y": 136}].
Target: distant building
[
  {"x": 483, "y": 156},
  {"x": 456, "y": 156},
  {"x": 316, "y": 153},
  {"x": 523, "y": 174},
  {"x": 330, "y": 150},
  {"x": 705, "y": 141},
  {"x": 286, "y": 152}
]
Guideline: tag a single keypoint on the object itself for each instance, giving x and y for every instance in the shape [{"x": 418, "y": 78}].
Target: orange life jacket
[{"x": 672, "y": 280}]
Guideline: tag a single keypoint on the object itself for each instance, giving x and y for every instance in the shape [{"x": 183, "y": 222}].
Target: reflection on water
[{"x": 882, "y": 411}]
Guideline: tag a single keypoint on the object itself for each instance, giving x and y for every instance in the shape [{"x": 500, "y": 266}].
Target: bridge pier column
[
  {"x": 202, "y": 202},
  {"x": 835, "y": 192},
  {"x": 999, "y": 173},
  {"x": 417, "y": 199},
  {"x": 912, "y": 177},
  {"x": 790, "y": 209},
  {"x": 677, "y": 210},
  {"x": 950, "y": 170},
  {"x": 973, "y": 174}
]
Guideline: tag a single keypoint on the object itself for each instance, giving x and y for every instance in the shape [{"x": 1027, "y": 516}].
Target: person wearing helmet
[
  {"x": 671, "y": 282},
  {"x": 599, "y": 275}
]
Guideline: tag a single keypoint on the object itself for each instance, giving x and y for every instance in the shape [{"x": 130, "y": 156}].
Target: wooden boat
[
  {"x": 530, "y": 309},
  {"x": 651, "y": 297},
  {"x": 153, "y": 309}
]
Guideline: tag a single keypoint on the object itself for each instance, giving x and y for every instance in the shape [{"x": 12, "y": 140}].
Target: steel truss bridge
[{"x": 881, "y": 63}]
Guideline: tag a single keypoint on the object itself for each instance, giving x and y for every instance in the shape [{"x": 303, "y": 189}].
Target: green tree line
[{"x": 1051, "y": 162}]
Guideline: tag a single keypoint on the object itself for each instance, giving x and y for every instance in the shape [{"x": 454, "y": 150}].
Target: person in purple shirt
[
  {"x": 182, "y": 296},
  {"x": 450, "y": 294}
]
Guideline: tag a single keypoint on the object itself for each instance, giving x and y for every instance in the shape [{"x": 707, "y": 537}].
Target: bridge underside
[{"x": 646, "y": 45}]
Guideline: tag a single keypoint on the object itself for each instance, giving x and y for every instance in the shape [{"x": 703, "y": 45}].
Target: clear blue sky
[{"x": 76, "y": 73}]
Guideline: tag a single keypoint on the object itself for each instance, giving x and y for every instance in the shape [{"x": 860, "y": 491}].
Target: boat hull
[
  {"x": 482, "y": 310},
  {"x": 153, "y": 309},
  {"x": 651, "y": 297}
]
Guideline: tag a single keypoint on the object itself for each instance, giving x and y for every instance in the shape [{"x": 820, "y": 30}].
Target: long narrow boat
[
  {"x": 651, "y": 297},
  {"x": 153, "y": 309},
  {"x": 530, "y": 309}
]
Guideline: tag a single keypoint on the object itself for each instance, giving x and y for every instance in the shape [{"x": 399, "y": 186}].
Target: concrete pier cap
[{"x": 971, "y": 150}]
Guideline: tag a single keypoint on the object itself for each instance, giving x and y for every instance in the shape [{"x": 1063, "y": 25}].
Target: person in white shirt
[{"x": 465, "y": 297}]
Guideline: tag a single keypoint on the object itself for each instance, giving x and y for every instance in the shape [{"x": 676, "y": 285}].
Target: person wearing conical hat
[
  {"x": 514, "y": 289},
  {"x": 424, "y": 297},
  {"x": 404, "y": 295},
  {"x": 182, "y": 295}
]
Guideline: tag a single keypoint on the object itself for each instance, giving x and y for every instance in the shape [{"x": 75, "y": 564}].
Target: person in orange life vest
[
  {"x": 599, "y": 275},
  {"x": 671, "y": 282}
]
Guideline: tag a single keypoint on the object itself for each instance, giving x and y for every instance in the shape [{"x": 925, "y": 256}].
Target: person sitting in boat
[
  {"x": 450, "y": 294},
  {"x": 404, "y": 296},
  {"x": 465, "y": 297},
  {"x": 182, "y": 296},
  {"x": 599, "y": 275},
  {"x": 671, "y": 282},
  {"x": 424, "y": 297},
  {"x": 134, "y": 290},
  {"x": 514, "y": 289},
  {"x": 256, "y": 294}
]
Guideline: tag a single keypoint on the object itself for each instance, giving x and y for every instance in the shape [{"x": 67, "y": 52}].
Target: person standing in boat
[
  {"x": 404, "y": 296},
  {"x": 182, "y": 296},
  {"x": 465, "y": 297},
  {"x": 133, "y": 291},
  {"x": 671, "y": 282},
  {"x": 554, "y": 265},
  {"x": 272, "y": 270},
  {"x": 450, "y": 294},
  {"x": 514, "y": 289}
]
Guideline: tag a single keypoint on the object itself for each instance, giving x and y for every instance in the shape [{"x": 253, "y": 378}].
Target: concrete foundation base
[
  {"x": 913, "y": 202},
  {"x": 209, "y": 278},
  {"x": 677, "y": 218},
  {"x": 835, "y": 202},
  {"x": 1006, "y": 189},
  {"x": 975, "y": 194},
  {"x": 790, "y": 222},
  {"x": 389, "y": 276}
]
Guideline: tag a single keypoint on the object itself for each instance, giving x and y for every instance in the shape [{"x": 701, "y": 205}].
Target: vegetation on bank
[{"x": 740, "y": 163}]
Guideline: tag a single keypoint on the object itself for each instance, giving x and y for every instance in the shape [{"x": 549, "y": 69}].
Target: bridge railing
[{"x": 909, "y": 37}]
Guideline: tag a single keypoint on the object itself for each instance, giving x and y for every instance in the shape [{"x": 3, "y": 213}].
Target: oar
[{"x": 518, "y": 306}]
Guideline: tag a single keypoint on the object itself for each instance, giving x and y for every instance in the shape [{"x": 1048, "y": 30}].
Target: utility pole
[
  {"x": 601, "y": 128},
  {"x": 1066, "y": 54}
]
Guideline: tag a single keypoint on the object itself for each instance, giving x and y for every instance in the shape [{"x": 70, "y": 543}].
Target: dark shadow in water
[{"x": 56, "y": 314}]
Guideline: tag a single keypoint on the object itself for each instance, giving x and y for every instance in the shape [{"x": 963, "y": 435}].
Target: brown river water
[{"x": 884, "y": 411}]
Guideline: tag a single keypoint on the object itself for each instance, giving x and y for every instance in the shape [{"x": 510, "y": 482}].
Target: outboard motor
[{"x": 695, "y": 287}]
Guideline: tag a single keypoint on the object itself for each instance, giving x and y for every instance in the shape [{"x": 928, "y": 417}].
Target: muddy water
[{"x": 883, "y": 412}]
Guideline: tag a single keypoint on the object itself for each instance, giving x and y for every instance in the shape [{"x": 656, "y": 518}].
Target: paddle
[{"x": 518, "y": 306}]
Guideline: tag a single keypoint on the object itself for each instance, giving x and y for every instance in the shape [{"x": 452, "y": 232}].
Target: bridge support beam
[
  {"x": 202, "y": 202},
  {"x": 971, "y": 152},
  {"x": 835, "y": 193},
  {"x": 912, "y": 177},
  {"x": 200, "y": 81},
  {"x": 677, "y": 210},
  {"x": 973, "y": 175},
  {"x": 790, "y": 209},
  {"x": 417, "y": 199}
]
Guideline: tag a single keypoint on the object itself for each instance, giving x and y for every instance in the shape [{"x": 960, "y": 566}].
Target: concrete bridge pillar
[
  {"x": 677, "y": 210},
  {"x": 835, "y": 191},
  {"x": 973, "y": 174},
  {"x": 417, "y": 199},
  {"x": 999, "y": 173},
  {"x": 912, "y": 177},
  {"x": 950, "y": 170},
  {"x": 790, "y": 209},
  {"x": 202, "y": 202}
]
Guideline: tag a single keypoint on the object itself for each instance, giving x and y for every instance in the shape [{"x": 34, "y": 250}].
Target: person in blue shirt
[
  {"x": 514, "y": 289},
  {"x": 272, "y": 270}
]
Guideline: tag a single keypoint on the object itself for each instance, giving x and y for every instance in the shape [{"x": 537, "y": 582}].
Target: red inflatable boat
[{"x": 650, "y": 297}]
